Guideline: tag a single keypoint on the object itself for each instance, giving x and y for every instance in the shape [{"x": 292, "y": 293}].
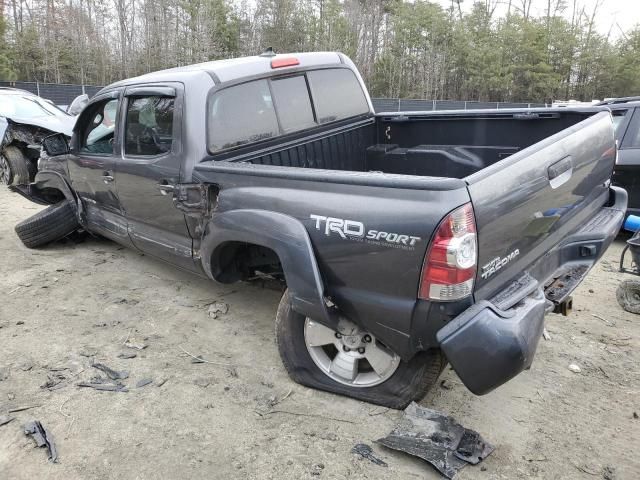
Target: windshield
[{"x": 25, "y": 107}]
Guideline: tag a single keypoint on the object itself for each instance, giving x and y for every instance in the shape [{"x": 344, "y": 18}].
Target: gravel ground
[{"x": 239, "y": 415}]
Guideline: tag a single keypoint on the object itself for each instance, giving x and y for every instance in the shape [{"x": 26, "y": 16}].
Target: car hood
[{"x": 57, "y": 124}]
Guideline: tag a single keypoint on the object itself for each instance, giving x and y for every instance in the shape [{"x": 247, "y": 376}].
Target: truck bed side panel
[{"x": 370, "y": 272}]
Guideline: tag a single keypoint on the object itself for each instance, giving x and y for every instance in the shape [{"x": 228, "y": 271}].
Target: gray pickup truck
[{"x": 405, "y": 240}]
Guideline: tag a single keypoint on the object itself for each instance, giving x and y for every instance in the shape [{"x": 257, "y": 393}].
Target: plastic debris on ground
[
  {"x": 218, "y": 308},
  {"x": 110, "y": 372},
  {"x": 135, "y": 344},
  {"x": 365, "y": 451},
  {"x": 127, "y": 355},
  {"x": 438, "y": 439},
  {"x": 143, "y": 382},
  {"x": 4, "y": 419},
  {"x": 42, "y": 437},
  {"x": 102, "y": 384}
]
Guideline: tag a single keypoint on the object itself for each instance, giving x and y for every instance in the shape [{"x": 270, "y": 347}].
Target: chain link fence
[
  {"x": 63, "y": 94},
  {"x": 58, "y": 93}
]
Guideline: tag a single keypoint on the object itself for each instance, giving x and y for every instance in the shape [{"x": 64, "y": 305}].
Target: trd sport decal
[{"x": 354, "y": 230}]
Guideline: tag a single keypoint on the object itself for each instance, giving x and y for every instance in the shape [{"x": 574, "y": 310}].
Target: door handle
[
  {"x": 560, "y": 172},
  {"x": 107, "y": 177},
  {"x": 165, "y": 187}
]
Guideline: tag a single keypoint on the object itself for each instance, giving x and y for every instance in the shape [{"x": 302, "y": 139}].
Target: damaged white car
[{"x": 25, "y": 119}]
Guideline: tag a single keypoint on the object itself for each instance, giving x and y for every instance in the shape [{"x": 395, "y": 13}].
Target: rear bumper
[
  {"x": 487, "y": 346},
  {"x": 492, "y": 341}
]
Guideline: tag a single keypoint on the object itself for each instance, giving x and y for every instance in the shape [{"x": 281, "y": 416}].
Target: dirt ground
[{"x": 72, "y": 303}]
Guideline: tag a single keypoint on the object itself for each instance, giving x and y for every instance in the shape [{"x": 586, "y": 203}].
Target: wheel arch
[
  {"x": 48, "y": 188},
  {"x": 281, "y": 234}
]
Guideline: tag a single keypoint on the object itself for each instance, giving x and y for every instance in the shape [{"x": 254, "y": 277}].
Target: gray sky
[{"x": 626, "y": 13}]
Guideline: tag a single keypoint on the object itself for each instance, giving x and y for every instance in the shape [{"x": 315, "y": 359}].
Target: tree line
[{"x": 408, "y": 49}]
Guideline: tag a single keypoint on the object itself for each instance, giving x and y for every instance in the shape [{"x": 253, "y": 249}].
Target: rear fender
[{"x": 289, "y": 239}]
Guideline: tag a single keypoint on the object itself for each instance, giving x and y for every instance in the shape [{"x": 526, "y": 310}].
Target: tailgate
[{"x": 526, "y": 204}]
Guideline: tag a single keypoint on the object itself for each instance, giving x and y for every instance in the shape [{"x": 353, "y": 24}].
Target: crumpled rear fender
[{"x": 286, "y": 236}]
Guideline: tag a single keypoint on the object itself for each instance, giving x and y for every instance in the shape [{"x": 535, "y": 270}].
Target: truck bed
[{"x": 435, "y": 144}]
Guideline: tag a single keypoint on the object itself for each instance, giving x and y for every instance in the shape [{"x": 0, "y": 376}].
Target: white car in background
[{"x": 25, "y": 119}]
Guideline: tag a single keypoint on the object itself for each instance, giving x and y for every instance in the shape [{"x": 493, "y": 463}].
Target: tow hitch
[{"x": 564, "y": 307}]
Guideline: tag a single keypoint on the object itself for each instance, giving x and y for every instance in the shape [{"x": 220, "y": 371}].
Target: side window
[
  {"x": 291, "y": 97},
  {"x": 618, "y": 120},
  {"x": 632, "y": 137},
  {"x": 98, "y": 132},
  {"x": 149, "y": 125},
  {"x": 241, "y": 114},
  {"x": 337, "y": 94}
]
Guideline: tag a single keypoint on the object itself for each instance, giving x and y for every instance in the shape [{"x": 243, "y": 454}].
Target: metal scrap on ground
[
  {"x": 438, "y": 439},
  {"x": 42, "y": 437}
]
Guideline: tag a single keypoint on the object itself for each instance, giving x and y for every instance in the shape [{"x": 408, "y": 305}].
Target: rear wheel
[
  {"x": 15, "y": 167},
  {"x": 351, "y": 361},
  {"x": 48, "y": 225}
]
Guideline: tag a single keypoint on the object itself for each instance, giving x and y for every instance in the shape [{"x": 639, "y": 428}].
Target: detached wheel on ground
[
  {"x": 15, "y": 167},
  {"x": 49, "y": 225},
  {"x": 351, "y": 362},
  {"x": 628, "y": 295}
]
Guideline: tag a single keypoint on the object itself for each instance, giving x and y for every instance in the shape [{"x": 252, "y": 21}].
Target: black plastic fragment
[
  {"x": 365, "y": 451},
  {"x": 105, "y": 387},
  {"x": 471, "y": 447},
  {"x": 438, "y": 439},
  {"x": 127, "y": 355},
  {"x": 111, "y": 373},
  {"x": 42, "y": 437},
  {"x": 143, "y": 382},
  {"x": 4, "y": 419}
]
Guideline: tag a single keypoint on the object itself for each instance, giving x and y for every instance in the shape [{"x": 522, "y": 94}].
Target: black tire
[
  {"x": 628, "y": 295},
  {"x": 410, "y": 382},
  {"x": 49, "y": 225},
  {"x": 21, "y": 169}
]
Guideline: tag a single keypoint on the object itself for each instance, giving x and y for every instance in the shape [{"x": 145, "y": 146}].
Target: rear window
[
  {"x": 242, "y": 114},
  {"x": 293, "y": 103},
  {"x": 337, "y": 94},
  {"x": 263, "y": 109}
]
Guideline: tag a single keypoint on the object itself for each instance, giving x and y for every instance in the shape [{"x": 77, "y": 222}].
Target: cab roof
[{"x": 222, "y": 71}]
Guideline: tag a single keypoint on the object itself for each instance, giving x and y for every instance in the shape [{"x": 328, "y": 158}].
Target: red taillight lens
[
  {"x": 450, "y": 264},
  {"x": 284, "y": 62}
]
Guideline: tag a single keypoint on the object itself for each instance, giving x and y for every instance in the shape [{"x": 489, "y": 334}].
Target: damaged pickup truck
[
  {"x": 405, "y": 240},
  {"x": 25, "y": 119}
]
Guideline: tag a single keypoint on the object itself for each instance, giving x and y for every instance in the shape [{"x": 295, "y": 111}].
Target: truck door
[
  {"x": 91, "y": 166},
  {"x": 148, "y": 169}
]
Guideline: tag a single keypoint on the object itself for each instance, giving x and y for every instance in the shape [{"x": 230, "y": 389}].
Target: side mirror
[
  {"x": 55, "y": 144},
  {"x": 78, "y": 104}
]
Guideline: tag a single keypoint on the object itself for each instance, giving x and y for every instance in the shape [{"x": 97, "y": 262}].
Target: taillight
[{"x": 450, "y": 264}]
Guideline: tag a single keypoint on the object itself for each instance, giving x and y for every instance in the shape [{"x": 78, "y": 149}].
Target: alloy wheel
[{"x": 350, "y": 356}]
